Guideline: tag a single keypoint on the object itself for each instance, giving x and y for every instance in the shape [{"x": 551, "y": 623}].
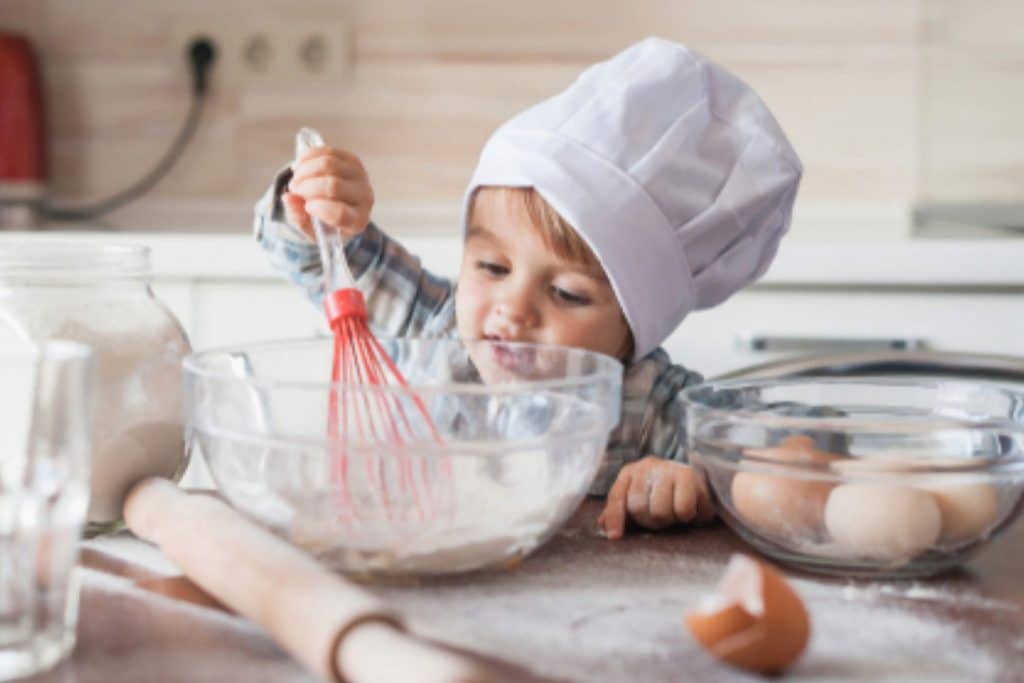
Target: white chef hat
[{"x": 671, "y": 169}]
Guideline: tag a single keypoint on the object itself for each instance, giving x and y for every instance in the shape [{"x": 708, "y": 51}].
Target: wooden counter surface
[
  {"x": 594, "y": 610},
  {"x": 591, "y": 610}
]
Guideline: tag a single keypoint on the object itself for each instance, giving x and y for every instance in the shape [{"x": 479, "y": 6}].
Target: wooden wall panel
[
  {"x": 878, "y": 97},
  {"x": 972, "y": 101}
]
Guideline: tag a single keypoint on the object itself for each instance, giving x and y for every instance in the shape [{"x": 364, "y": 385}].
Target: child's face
[{"x": 512, "y": 288}]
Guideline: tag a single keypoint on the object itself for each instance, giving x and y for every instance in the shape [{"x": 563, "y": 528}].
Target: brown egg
[
  {"x": 784, "y": 507},
  {"x": 759, "y": 622},
  {"x": 883, "y": 521}
]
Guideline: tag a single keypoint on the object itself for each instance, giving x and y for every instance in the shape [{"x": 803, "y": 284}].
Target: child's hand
[
  {"x": 655, "y": 493},
  {"x": 332, "y": 185}
]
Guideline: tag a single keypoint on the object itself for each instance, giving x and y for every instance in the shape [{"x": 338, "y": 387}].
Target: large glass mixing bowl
[{"x": 515, "y": 435}]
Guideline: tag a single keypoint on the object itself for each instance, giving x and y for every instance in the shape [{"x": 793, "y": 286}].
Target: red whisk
[{"x": 369, "y": 402}]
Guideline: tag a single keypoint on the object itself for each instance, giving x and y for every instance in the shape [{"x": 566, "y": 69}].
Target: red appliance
[{"x": 22, "y": 134}]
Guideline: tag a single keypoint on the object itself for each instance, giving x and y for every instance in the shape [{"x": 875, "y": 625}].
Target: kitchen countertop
[
  {"x": 903, "y": 263},
  {"x": 591, "y": 610}
]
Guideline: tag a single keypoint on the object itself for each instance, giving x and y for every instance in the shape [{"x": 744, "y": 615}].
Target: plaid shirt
[{"x": 405, "y": 300}]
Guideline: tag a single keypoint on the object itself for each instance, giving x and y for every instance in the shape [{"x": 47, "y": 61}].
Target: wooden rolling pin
[{"x": 338, "y": 630}]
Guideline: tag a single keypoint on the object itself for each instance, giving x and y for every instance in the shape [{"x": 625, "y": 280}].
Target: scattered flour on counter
[
  {"x": 873, "y": 642},
  {"x": 918, "y": 591},
  {"x": 607, "y": 621}
]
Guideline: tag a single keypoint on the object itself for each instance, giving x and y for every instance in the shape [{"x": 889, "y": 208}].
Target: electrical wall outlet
[
  {"x": 254, "y": 52},
  {"x": 296, "y": 51}
]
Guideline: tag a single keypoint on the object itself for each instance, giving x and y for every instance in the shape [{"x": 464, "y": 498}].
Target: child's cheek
[
  {"x": 466, "y": 305},
  {"x": 605, "y": 334}
]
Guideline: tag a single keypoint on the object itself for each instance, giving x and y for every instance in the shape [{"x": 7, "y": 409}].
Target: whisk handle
[{"x": 337, "y": 273}]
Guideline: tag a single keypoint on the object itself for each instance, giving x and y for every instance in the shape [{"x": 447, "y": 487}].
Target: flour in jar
[{"x": 137, "y": 413}]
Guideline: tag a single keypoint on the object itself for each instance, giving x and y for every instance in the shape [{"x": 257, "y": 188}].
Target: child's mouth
[{"x": 512, "y": 356}]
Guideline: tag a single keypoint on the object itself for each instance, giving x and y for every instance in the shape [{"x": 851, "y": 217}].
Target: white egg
[
  {"x": 882, "y": 521},
  {"x": 968, "y": 510}
]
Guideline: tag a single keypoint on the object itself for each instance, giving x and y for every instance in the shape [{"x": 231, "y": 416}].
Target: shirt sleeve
[
  {"x": 403, "y": 298},
  {"x": 652, "y": 420},
  {"x": 665, "y": 432}
]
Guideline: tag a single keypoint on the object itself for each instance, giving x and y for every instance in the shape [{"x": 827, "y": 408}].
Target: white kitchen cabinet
[
  {"x": 956, "y": 296},
  {"x": 243, "y": 311},
  {"x": 810, "y": 319},
  {"x": 235, "y": 311}
]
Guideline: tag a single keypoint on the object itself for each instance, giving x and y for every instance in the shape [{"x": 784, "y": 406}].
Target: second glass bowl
[{"x": 868, "y": 477}]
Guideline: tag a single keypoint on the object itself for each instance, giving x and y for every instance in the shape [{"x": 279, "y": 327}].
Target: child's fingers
[
  {"x": 613, "y": 519},
  {"x": 331, "y": 165},
  {"x": 294, "y": 203},
  {"x": 686, "y": 495},
  {"x": 638, "y": 500},
  {"x": 324, "y": 151},
  {"x": 330, "y": 187},
  {"x": 295, "y": 213},
  {"x": 661, "y": 509},
  {"x": 348, "y": 219}
]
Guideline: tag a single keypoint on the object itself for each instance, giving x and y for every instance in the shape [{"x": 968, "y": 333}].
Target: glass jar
[{"x": 100, "y": 295}]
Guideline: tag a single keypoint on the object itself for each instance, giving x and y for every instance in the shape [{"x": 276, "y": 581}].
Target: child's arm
[
  {"x": 659, "y": 489},
  {"x": 403, "y": 298}
]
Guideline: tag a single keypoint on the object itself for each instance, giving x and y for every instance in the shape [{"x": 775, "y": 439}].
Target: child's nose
[{"x": 516, "y": 305}]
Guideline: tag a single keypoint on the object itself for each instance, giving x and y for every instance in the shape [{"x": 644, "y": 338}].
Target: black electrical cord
[{"x": 201, "y": 53}]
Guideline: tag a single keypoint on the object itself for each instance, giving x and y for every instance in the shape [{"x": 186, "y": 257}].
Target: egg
[
  {"x": 756, "y": 621},
  {"x": 784, "y": 506},
  {"x": 882, "y": 521},
  {"x": 968, "y": 510}
]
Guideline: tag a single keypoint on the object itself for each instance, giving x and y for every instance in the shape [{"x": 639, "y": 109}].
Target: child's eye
[
  {"x": 492, "y": 268},
  {"x": 565, "y": 296}
]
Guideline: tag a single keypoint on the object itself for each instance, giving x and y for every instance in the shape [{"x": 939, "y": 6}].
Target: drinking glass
[{"x": 45, "y": 436}]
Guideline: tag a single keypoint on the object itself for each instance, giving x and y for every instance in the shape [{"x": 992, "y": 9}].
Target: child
[{"x": 656, "y": 184}]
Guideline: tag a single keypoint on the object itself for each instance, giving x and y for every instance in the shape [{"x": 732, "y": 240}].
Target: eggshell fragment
[
  {"x": 784, "y": 506},
  {"x": 883, "y": 521},
  {"x": 758, "y": 622}
]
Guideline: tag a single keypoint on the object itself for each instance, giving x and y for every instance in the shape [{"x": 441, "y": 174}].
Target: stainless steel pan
[{"x": 1008, "y": 369}]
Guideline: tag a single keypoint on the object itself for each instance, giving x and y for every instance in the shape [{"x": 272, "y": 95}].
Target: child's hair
[
  {"x": 561, "y": 238},
  {"x": 556, "y": 232}
]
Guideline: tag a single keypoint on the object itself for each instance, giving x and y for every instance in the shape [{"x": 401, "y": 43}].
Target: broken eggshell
[{"x": 756, "y": 621}]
